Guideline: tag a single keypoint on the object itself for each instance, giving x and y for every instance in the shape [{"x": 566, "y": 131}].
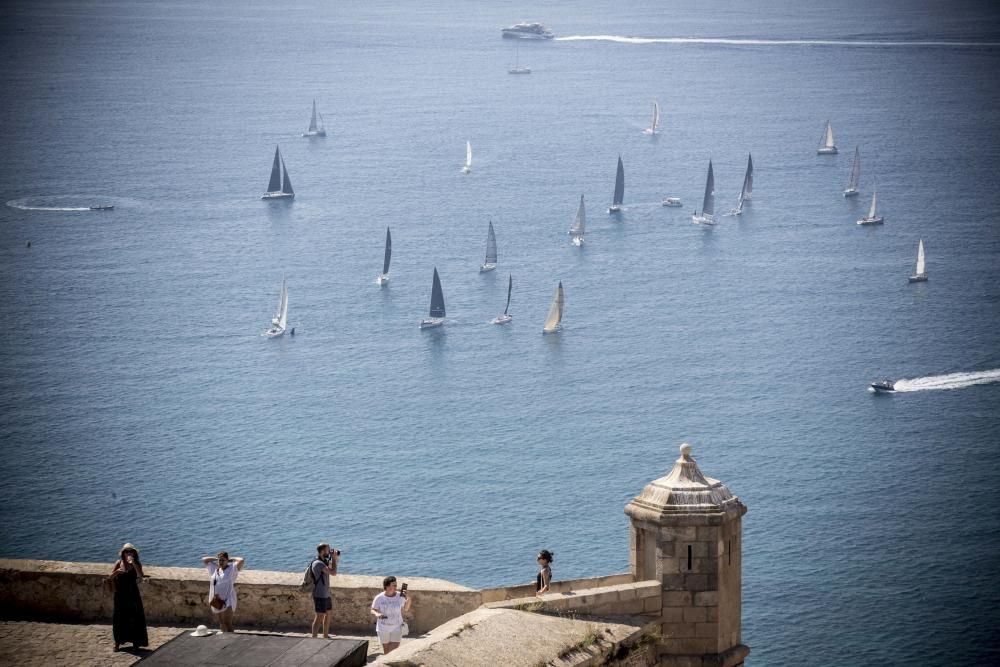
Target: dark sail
[
  {"x": 749, "y": 178},
  {"x": 275, "y": 183},
  {"x": 510, "y": 284},
  {"x": 388, "y": 251},
  {"x": 491, "y": 246},
  {"x": 287, "y": 185},
  {"x": 619, "y": 184},
  {"x": 708, "y": 204},
  {"x": 437, "y": 297}
]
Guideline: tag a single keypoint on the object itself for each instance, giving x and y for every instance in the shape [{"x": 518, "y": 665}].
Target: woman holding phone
[{"x": 388, "y": 607}]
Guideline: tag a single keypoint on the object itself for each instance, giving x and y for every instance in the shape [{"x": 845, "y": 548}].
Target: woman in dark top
[
  {"x": 544, "y": 577},
  {"x": 129, "y": 619}
]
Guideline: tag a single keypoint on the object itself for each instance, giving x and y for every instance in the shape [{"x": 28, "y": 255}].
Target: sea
[{"x": 139, "y": 401}]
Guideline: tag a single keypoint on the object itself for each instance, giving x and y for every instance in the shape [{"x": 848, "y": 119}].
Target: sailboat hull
[
  {"x": 877, "y": 220},
  {"x": 274, "y": 332},
  {"x": 317, "y": 133},
  {"x": 826, "y": 151},
  {"x": 556, "y": 329},
  {"x": 382, "y": 280},
  {"x": 278, "y": 195},
  {"x": 673, "y": 202},
  {"x": 850, "y": 192},
  {"x": 432, "y": 323},
  {"x": 614, "y": 208},
  {"x": 578, "y": 241},
  {"x": 703, "y": 219},
  {"x": 501, "y": 319},
  {"x": 487, "y": 267},
  {"x": 466, "y": 170},
  {"x": 920, "y": 278}
]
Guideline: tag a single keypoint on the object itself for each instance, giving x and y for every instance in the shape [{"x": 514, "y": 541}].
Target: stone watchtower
[{"x": 686, "y": 532}]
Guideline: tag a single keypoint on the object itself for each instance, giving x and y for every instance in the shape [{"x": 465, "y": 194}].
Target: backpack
[{"x": 309, "y": 580}]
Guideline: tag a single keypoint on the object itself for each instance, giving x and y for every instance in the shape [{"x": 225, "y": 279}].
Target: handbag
[
  {"x": 217, "y": 603},
  {"x": 404, "y": 629}
]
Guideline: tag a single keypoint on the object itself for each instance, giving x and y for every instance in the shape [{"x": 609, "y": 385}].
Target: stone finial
[{"x": 685, "y": 490}]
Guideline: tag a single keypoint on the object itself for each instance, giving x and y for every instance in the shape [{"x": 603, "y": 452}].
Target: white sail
[
  {"x": 580, "y": 222},
  {"x": 828, "y": 140},
  {"x": 468, "y": 155},
  {"x": 654, "y": 124},
  {"x": 920, "y": 258},
  {"x": 871, "y": 211},
  {"x": 852, "y": 185},
  {"x": 554, "y": 318},
  {"x": 281, "y": 316}
]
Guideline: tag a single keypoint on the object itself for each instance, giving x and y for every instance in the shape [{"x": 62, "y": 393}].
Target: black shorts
[{"x": 322, "y": 605}]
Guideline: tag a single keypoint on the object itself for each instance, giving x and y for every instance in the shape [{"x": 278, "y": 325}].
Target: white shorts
[{"x": 391, "y": 635}]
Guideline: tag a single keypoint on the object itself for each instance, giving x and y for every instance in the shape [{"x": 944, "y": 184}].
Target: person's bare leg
[
  {"x": 316, "y": 624},
  {"x": 326, "y": 625},
  {"x": 391, "y": 646}
]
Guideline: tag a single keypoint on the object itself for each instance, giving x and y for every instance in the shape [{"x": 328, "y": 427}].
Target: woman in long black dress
[{"x": 129, "y": 619}]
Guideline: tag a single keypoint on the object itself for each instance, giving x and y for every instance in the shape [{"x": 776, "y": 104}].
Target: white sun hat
[{"x": 201, "y": 631}]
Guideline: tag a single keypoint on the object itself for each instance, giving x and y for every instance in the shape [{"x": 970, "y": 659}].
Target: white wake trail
[
  {"x": 622, "y": 39},
  {"x": 949, "y": 381}
]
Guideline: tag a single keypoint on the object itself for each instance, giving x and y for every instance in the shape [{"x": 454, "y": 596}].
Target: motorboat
[
  {"x": 883, "y": 386},
  {"x": 383, "y": 278},
  {"x": 435, "y": 317},
  {"x": 527, "y": 31},
  {"x": 279, "y": 187},
  {"x": 108, "y": 207},
  {"x": 619, "y": 196},
  {"x": 826, "y": 145},
  {"x": 921, "y": 275},
  {"x": 505, "y": 317},
  {"x": 490, "y": 261},
  {"x": 673, "y": 202},
  {"x": 280, "y": 320},
  {"x": 852, "y": 185},
  {"x": 873, "y": 218},
  {"x": 315, "y": 129},
  {"x": 707, "y": 215}
]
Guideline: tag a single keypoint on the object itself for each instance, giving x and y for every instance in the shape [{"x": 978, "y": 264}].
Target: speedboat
[
  {"x": 102, "y": 208},
  {"x": 883, "y": 386},
  {"x": 527, "y": 31},
  {"x": 672, "y": 201}
]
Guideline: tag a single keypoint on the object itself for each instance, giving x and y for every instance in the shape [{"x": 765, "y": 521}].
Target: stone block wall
[{"x": 61, "y": 591}]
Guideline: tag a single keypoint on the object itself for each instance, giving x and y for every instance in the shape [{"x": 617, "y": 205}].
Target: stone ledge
[{"x": 604, "y": 598}]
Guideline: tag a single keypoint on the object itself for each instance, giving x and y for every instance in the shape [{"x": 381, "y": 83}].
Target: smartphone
[{"x": 403, "y": 588}]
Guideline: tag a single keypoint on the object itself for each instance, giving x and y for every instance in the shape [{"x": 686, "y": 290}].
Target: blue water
[{"x": 139, "y": 402}]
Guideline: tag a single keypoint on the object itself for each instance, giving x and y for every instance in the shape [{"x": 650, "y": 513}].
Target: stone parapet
[
  {"x": 62, "y": 591},
  {"x": 630, "y": 598},
  {"x": 528, "y": 590}
]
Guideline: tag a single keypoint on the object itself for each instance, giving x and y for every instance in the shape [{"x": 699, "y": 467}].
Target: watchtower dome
[{"x": 686, "y": 531}]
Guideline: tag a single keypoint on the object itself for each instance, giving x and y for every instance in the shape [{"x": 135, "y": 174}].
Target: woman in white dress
[
  {"x": 222, "y": 589},
  {"x": 388, "y": 607}
]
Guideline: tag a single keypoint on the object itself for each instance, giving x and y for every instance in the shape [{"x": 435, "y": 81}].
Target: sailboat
[
  {"x": 279, "y": 187},
  {"x": 383, "y": 277},
  {"x": 579, "y": 224},
  {"x": 852, "y": 185},
  {"x": 746, "y": 192},
  {"x": 553, "y": 322},
  {"x": 826, "y": 145},
  {"x": 280, "y": 320},
  {"x": 654, "y": 126},
  {"x": 872, "y": 218},
  {"x": 491, "y": 251},
  {"x": 517, "y": 69},
  {"x": 707, "y": 216},
  {"x": 921, "y": 275},
  {"x": 505, "y": 317},
  {"x": 616, "y": 204},
  {"x": 315, "y": 130},
  {"x": 468, "y": 158},
  {"x": 435, "y": 317}
]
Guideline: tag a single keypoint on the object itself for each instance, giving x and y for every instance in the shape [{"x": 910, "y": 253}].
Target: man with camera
[{"x": 323, "y": 568}]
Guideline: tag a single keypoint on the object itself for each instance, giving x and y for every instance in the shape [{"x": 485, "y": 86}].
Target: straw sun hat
[
  {"x": 128, "y": 547},
  {"x": 201, "y": 631}
]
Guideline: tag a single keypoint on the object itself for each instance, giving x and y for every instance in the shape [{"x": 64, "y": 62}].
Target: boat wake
[
  {"x": 724, "y": 41},
  {"x": 60, "y": 202},
  {"x": 949, "y": 381}
]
